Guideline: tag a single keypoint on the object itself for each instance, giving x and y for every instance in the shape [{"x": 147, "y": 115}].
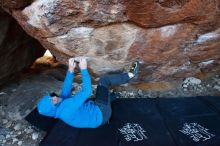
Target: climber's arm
[{"x": 67, "y": 85}]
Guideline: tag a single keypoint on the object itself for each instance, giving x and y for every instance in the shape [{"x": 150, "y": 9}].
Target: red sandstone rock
[
  {"x": 172, "y": 38},
  {"x": 15, "y": 4}
]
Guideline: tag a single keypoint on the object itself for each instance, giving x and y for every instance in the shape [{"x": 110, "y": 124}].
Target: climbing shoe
[{"x": 134, "y": 69}]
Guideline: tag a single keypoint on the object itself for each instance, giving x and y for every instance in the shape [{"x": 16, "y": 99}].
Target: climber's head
[
  {"x": 55, "y": 98},
  {"x": 48, "y": 104}
]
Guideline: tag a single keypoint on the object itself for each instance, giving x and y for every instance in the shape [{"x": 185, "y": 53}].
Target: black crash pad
[
  {"x": 129, "y": 126},
  {"x": 179, "y": 107},
  {"x": 141, "y": 122},
  {"x": 144, "y": 113},
  {"x": 203, "y": 130},
  {"x": 190, "y": 121},
  {"x": 212, "y": 102},
  {"x": 42, "y": 122}
]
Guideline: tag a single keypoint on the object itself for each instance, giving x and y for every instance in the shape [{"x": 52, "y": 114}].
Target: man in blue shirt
[{"x": 76, "y": 110}]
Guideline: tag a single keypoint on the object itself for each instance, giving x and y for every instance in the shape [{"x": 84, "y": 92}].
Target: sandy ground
[{"x": 14, "y": 130}]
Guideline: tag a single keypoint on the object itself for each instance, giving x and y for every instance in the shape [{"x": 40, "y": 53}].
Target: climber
[{"x": 76, "y": 110}]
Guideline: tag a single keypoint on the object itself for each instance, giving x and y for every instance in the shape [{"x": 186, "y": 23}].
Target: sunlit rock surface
[{"x": 172, "y": 38}]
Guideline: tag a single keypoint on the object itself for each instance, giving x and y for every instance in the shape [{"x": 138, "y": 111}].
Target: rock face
[
  {"x": 24, "y": 99},
  {"x": 18, "y": 50},
  {"x": 172, "y": 38},
  {"x": 15, "y": 4}
]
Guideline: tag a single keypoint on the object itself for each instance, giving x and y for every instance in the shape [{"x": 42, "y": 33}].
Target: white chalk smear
[
  {"x": 206, "y": 37},
  {"x": 37, "y": 10},
  {"x": 80, "y": 32},
  {"x": 86, "y": 5},
  {"x": 168, "y": 31},
  {"x": 205, "y": 63}
]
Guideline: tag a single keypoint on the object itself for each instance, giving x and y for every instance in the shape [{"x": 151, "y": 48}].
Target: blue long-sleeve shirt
[{"x": 73, "y": 110}]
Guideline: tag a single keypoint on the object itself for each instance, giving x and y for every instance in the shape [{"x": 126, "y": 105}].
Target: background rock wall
[
  {"x": 172, "y": 38},
  {"x": 17, "y": 50}
]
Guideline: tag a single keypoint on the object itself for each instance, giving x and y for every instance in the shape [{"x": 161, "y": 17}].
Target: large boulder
[
  {"x": 172, "y": 38},
  {"x": 18, "y": 50}
]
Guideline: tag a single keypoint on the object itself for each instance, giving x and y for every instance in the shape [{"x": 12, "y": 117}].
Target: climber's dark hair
[{"x": 53, "y": 94}]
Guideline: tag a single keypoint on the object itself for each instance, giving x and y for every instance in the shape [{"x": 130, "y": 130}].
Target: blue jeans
[{"x": 103, "y": 99}]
